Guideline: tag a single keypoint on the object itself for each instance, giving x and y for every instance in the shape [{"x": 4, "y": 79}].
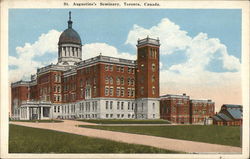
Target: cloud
[
  {"x": 25, "y": 62},
  {"x": 32, "y": 56},
  {"x": 94, "y": 49},
  {"x": 192, "y": 75}
]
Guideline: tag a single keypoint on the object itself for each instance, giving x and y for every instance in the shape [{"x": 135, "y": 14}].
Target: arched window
[
  {"x": 107, "y": 80},
  {"x": 153, "y": 90},
  {"x": 153, "y": 67},
  {"x": 117, "y": 80},
  {"x": 153, "y": 78},
  {"x": 111, "y": 80}
]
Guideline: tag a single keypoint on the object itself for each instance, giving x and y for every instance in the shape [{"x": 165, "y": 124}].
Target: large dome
[{"x": 70, "y": 36}]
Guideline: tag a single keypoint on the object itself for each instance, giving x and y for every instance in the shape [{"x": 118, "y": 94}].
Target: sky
[{"x": 200, "y": 52}]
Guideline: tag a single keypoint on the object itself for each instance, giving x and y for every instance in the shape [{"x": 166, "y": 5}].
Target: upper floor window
[
  {"x": 153, "y": 90},
  {"x": 111, "y": 80},
  {"x": 153, "y": 67},
  {"x": 106, "y": 91},
  {"x": 106, "y": 67},
  {"x": 107, "y": 80},
  {"x": 117, "y": 80},
  {"x": 111, "y": 67}
]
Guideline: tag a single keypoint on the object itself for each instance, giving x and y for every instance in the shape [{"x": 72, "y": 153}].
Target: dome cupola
[
  {"x": 69, "y": 46},
  {"x": 70, "y": 35}
]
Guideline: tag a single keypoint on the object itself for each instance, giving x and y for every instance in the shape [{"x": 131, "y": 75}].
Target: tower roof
[{"x": 70, "y": 36}]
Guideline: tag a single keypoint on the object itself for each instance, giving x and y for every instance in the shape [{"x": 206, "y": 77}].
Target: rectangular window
[
  {"x": 128, "y": 105},
  {"x": 107, "y": 116},
  {"x": 111, "y": 67},
  {"x": 106, "y": 91},
  {"x": 55, "y": 109},
  {"x": 118, "y": 91},
  {"x": 111, "y": 104},
  {"x": 111, "y": 91},
  {"x": 122, "y": 104},
  {"x": 107, "y": 104},
  {"x": 111, "y": 115},
  {"x": 122, "y": 69},
  {"x": 106, "y": 67},
  {"x": 122, "y": 92},
  {"x": 118, "y": 105},
  {"x": 118, "y": 68}
]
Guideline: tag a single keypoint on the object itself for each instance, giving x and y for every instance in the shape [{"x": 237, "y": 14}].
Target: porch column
[
  {"x": 28, "y": 113},
  {"x": 41, "y": 112}
]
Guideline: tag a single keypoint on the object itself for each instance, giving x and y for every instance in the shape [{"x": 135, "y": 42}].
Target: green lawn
[
  {"x": 33, "y": 140},
  {"x": 39, "y": 121},
  {"x": 224, "y": 135},
  {"x": 126, "y": 121}
]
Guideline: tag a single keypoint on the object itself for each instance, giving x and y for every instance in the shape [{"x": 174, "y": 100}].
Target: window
[
  {"x": 118, "y": 115},
  {"x": 122, "y": 104},
  {"x": 129, "y": 90},
  {"x": 106, "y": 91},
  {"x": 107, "y": 116},
  {"x": 111, "y": 115},
  {"x": 111, "y": 91},
  {"x": 106, "y": 67},
  {"x": 129, "y": 69},
  {"x": 117, "y": 80},
  {"x": 132, "y": 106},
  {"x": 111, "y": 67},
  {"x": 95, "y": 91},
  {"x": 153, "y": 106},
  {"x": 142, "y": 67},
  {"x": 107, "y": 104},
  {"x": 132, "y": 82},
  {"x": 153, "y": 90},
  {"x": 153, "y": 115},
  {"x": 118, "y": 68},
  {"x": 55, "y": 109},
  {"x": 142, "y": 90},
  {"x": 94, "y": 80},
  {"x": 118, "y": 91},
  {"x": 122, "y": 92},
  {"x": 132, "y": 92},
  {"x": 122, "y": 69},
  {"x": 128, "y": 105},
  {"x": 111, "y": 80},
  {"x": 111, "y": 104},
  {"x": 122, "y": 81},
  {"x": 153, "y": 67},
  {"x": 118, "y": 105},
  {"x": 153, "y": 78},
  {"x": 107, "y": 80},
  {"x": 128, "y": 81},
  {"x": 122, "y": 115}
]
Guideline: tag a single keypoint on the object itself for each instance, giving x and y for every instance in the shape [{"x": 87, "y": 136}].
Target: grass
[
  {"x": 224, "y": 135},
  {"x": 39, "y": 121},
  {"x": 125, "y": 121},
  {"x": 33, "y": 140}
]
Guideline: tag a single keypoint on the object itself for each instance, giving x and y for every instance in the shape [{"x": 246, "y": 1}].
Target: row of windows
[
  {"x": 57, "y": 98},
  {"x": 119, "y": 80},
  {"x": 88, "y": 116},
  {"x": 153, "y": 67},
  {"x": 87, "y": 106},
  {"x": 57, "y": 78},
  {"x": 119, "y": 116},
  {"x": 153, "y": 90},
  {"x": 120, "y": 91},
  {"x": 119, "y": 69},
  {"x": 119, "y": 105},
  {"x": 65, "y": 109}
]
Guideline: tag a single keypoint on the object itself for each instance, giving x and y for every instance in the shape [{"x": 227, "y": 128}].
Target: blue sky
[
  {"x": 112, "y": 25},
  {"x": 204, "y": 44}
]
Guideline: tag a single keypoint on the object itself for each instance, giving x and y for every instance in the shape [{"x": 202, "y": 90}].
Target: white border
[{"x": 4, "y": 87}]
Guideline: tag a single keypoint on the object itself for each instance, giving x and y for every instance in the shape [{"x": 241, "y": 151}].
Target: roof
[
  {"x": 70, "y": 36},
  {"x": 224, "y": 117},
  {"x": 232, "y": 106},
  {"x": 217, "y": 118},
  {"x": 235, "y": 113}
]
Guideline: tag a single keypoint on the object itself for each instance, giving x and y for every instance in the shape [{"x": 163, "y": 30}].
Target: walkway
[{"x": 69, "y": 126}]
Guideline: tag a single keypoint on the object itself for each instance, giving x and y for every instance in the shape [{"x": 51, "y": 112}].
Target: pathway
[{"x": 69, "y": 126}]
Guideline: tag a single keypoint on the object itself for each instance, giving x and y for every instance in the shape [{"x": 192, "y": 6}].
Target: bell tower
[{"x": 147, "y": 78}]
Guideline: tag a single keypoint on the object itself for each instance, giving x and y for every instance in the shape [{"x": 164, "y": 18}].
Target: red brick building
[
  {"x": 230, "y": 115},
  {"x": 99, "y": 87},
  {"x": 182, "y": 109}
]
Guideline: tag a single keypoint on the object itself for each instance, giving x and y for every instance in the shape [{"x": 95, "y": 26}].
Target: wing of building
[{"x": 101, "y": 87}]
